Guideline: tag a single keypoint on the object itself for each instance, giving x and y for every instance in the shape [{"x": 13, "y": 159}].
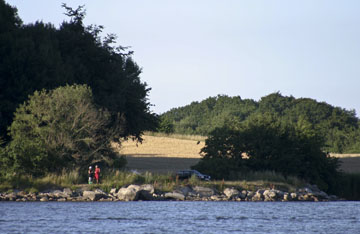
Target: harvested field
[
  {"x": 159, "y": 146},
  {"x": 161, "y": 154}
]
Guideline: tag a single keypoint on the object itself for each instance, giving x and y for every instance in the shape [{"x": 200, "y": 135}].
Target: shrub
[{"x": 57, "y": 129}]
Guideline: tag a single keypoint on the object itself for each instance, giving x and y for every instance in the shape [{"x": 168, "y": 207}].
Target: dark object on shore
[{"x": 186, "y": 174}]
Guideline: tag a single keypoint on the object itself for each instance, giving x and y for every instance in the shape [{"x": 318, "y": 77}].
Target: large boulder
[
  {"x": 148, "y": 188},
  {"x": 231, "y": 193},
  {"x": 67, "y": 192},
  {"x": 204, "y": 191},
  {"x": 129, "y": 193},
  {"x": 93, "y": 195},
  {"x": 270, "y": 195},
  {"x": 146, "y": 192},
  {"x": 258, "y": 196},
  {"x": 175, "y": 196},
  {"x": 185, "y": 190}
]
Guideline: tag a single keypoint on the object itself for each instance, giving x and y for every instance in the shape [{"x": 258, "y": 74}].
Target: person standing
[
  {"x": 97, "y": 173},
  {"x": 91, "y": 175}
]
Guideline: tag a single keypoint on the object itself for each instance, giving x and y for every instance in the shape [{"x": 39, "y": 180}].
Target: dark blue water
[{"x": 179, "y": 217}]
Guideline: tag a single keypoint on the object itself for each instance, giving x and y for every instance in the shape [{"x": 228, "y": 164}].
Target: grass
[{"x": 161, "y": 182}]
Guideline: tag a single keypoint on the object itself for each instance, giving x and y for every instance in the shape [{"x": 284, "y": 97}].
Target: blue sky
[{"x": 190, "y": 50}]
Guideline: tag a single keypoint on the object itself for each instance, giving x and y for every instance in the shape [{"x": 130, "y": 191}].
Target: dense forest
[
  {"x": 338, "y": 127},
  {"x": 40, "y": 56},
  {"x": 66, "y": 93}
]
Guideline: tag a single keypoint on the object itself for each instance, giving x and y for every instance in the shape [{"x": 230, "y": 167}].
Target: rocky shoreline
[{"x": 147, "y": 192}]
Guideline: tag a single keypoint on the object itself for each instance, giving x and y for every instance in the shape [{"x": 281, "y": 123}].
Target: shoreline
[{"x": 146, "y": 192}]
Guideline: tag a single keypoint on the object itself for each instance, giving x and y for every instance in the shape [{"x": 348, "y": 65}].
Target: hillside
[{"x": 339, "y": 127}]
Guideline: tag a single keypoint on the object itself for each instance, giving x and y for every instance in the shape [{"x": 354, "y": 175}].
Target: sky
[{"x": 190, "y": 50}]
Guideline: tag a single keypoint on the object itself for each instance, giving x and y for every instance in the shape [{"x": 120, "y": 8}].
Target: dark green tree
[
  {"x": 271, "y": 145},
  {"x": 39, "y": 56},
  {"x": 62, "y": 128}
]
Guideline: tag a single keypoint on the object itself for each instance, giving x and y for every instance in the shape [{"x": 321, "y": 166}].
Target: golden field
[
  {"x": 169, "y": 153},
  {"x": 163, "y": 146}
]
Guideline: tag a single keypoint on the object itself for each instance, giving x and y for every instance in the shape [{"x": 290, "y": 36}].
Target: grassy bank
[
  {"x": 349, "y": 184},
  {"x": 163, "y": 182}
]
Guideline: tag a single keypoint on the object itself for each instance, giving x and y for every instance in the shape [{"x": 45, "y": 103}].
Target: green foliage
[
  {"x": 264, "y": 144},
  {"x": 61, "y": 128},
  {"x": 39, "y": 56},
  {"x": 338, "y": 127},
  {"x": 165, "y": 126}
]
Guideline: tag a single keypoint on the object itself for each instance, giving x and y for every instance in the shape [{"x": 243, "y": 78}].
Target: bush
[{"x": 57, "y": 129}]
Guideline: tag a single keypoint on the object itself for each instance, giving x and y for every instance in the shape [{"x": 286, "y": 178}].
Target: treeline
[
  {"x": 40, "y": 56},
  {"x": 66, "y": 93},
  {"x": 337, "y": 126}
]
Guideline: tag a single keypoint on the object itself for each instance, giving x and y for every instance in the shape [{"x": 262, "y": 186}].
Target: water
[{"x": 179, "y": 217}]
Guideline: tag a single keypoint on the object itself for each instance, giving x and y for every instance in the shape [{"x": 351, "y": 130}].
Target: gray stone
[
  {"x": 243, "y": 194},
  {"x": 231, "y": 193},
  {"x": 287, "y": 197},
  {"x": 147, "y": 187},
  {"x": 67, "y": 192},
  {"x": 215, "y": 198},
  {"x": 294, "y": 196},
  {"x": 204, "y": 191},
  {"x": 175, "y": 195},
  {"x": 258, "y": 196},
  {"x": 128, "y": 194},
  {"x": 92, "y": 195},
  {"x": 270, "y": 195},
  {"x": 186, "y": 191},
  {"x": 113, "y": 191},
  {"x": 11, "y": 197},
  {"x": 57, "y": 193},
  {"x": 44, "y": 199}
]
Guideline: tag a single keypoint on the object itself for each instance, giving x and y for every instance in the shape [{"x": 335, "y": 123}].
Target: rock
[
  {"x": 147, "y": 187},
  {"x": 243, "y": 194},
  {"x": 44, "y": 199},
  {"x": 175, "y": 195},
  {"x": 186, "y": 191},
  {"x": 63, "y": 199},
  {"x": 92, "y": 195},
  {"x": 145, "y": 195},
  {"x": 204, "y": 191},
  {"x": 287, "y": 197},
  {"x": 270, "y": 195},
  {"x": 231, "y": 193},
  {"x": 67, "y": 192},
  {"x": 215, "y": 198},
  {"x": 294, "y": 196},
  {"x": 11, "y": 197},
  {"x": 128, "y": 194},
  {"x": 57, "y": 193},
  {"x": 258, "y": 196},
  {"x": 113, "y": 191}
]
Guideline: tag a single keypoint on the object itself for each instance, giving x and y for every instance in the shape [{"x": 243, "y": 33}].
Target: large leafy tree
[
  {"x": 39, "y": 56},
  {"x": 61, "y": 128},
  {"x": 264, "y": 143}
]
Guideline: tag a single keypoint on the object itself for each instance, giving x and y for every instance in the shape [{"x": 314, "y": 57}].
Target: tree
[
  {"x": 61, "y": 128},
  {"x": 39, "y": 56},
  {"x": 272, "y": 145},
  {"x": 165, "y": 125}
]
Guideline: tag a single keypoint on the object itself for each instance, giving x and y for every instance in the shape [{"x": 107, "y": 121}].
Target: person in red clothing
[{"x": 97, "y": 174}]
